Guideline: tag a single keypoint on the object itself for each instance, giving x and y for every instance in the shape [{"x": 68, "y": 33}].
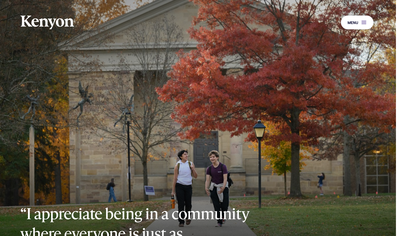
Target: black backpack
[
  {"x": 230, "y": 181},
  {"x": 108, "y": 186}
]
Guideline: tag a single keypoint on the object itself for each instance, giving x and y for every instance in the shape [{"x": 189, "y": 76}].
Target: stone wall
[{"x": 101, "y": 158}]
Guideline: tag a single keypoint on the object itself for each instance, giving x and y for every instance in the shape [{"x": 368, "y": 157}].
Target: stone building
[{"x": 94, "y": 160}]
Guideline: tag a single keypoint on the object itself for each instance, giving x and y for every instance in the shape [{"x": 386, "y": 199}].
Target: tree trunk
[
  {"x": 295, "y": 190},
  {"x": 358, "y": 179},
  {"x": 145, "y": 177},
  {"x": 57, "y": 178},
  {"x": 346, "y": 162},
  {"x": 284, "y": 177}
]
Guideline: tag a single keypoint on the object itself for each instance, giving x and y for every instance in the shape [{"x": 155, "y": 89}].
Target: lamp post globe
[{"x": 259, "y": 129}]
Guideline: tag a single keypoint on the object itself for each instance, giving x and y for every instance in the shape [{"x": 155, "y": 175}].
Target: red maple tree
[{"x": 291, "y": 64}]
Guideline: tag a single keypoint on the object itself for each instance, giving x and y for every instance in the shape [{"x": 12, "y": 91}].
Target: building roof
[{"x": 121, "y": 23}]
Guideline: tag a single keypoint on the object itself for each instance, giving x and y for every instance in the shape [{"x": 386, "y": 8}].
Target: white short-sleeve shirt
[{"x": 184, "y": 173}]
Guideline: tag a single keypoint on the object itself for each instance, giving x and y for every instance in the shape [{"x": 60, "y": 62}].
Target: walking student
[
  {"x": 216, "y": 186},
  {"x": 110, "y": 188},
  {"x": 184, "y": 171},
  {"x": 320, "y": 183}
]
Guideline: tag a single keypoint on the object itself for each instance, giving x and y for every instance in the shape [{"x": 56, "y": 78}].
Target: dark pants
[
  {"x": 220, "y": 207},
  {"x": 184, "y": 198}
]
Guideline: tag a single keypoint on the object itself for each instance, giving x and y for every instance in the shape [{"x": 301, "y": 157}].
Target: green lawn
[
  {"x": 12, "y": 221},
  {"x": 326, "y": 215}
]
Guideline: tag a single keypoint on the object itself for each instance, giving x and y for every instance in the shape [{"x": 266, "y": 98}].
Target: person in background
[
  {"x": 321, "y": 177},
  {"x": 216, "y": 185},
  {"x": 110, "y": 188},
  {"x": 184, "y": 172}
]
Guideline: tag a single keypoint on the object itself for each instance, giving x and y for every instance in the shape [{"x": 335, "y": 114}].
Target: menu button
[{"x": 357, "y": 22}]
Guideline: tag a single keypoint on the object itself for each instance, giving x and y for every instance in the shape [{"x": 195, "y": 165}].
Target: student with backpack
[
  {"x": 216, "y": 186},
  {"x": 110, "y": 188},
  {"x": 184, "y": 171}
]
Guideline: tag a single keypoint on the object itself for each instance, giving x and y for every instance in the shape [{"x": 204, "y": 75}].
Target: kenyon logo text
[{"x": 46, "y": 22}]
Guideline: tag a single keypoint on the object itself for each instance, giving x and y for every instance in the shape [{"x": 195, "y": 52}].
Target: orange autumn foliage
[
  {"x": 92, "y": 13},
  {"x": 56, "y": 127}
]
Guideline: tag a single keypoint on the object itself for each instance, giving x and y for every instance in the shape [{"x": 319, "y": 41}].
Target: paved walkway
[{"x": 201, "y": 227}]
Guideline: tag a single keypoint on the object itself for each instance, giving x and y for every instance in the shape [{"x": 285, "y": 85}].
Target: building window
[{"x": 376, "y": 171}]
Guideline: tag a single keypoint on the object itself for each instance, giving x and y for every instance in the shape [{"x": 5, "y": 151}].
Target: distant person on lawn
[
  {"x": 110, "y": 188},
  {"x": 320, "y": 183}
]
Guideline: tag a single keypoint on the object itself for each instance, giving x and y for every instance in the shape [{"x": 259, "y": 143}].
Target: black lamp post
[
  {"x": 259, "y": 129},
  {"x": 129, "y": 156}
]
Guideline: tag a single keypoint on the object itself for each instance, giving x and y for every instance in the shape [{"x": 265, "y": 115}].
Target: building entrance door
[{"x": 202, "y": 146}]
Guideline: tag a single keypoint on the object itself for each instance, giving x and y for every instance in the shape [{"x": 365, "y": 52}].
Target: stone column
[
  {"x": 236, "y": 154},
  {"x": 238, "y": 173},
  {"x": 175, "y": 148},
  {"x": 78, "y": 166}
]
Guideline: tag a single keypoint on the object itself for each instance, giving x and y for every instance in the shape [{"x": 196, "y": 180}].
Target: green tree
[
  {"x": 30, "y": 66},
  {"x": 27, "y": 59},
  {"x": 279, "y": 155}
]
